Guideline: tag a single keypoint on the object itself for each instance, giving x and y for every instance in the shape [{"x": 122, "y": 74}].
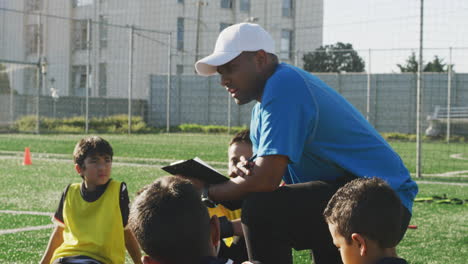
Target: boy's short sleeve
[
  {"x": 124, "y": 203},
  {"x": 58, "y": 216}
]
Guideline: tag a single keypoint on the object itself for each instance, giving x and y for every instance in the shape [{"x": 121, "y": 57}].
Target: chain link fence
[{"x": 90, "y": 62}]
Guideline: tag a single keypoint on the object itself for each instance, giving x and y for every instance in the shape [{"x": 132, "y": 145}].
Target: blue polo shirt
[{"x": 322, "y": 134}]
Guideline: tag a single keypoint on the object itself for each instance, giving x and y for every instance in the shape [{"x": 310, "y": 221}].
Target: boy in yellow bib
[
  {"x": 233, "y": 247},
  {"x": 92, "y": 215}
]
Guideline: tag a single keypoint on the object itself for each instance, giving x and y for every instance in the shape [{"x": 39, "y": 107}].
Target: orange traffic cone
[{"x": 27, "y": 157}]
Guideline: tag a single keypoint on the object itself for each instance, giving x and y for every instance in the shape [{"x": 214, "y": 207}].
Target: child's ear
[
  {"x": 78, "y": 168},
  {"x": 360, "y": 242}
]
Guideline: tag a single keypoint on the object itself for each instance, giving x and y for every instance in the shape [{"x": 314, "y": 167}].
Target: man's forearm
[
  {"x": 237, "y": 188},
  {"x": 234, "y": 189},
  {"x": 264, "y": 176}
]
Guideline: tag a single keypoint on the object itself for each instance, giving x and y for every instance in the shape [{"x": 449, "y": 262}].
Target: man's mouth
[{"x": 234, "y": 93}]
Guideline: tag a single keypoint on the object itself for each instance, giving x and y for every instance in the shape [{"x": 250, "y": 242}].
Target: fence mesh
[{"x": 85, "y": 60}]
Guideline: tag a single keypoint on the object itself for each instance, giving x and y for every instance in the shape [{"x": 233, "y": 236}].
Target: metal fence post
[
  {"x": 449, "y": 94},
  {"x": 11, "y": 70},
  {"x": 419, "y": 95},
  {"x": 296, "y": 59},
  {"x": 229, "y": 112},
  {"x": 88, "y": 79},
  {"x": 168, "y": 99},
  {"x": 208, "y": 112},
  {"x": 38, "y": 94},
  {"x": 368, "y": 85},
  {"x": 39, "y": 74},
  {"x": 130, "y": 76}
]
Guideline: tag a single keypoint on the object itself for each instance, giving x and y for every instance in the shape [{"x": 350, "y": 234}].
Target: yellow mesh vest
[
  {"x": 232, "y": 215},
  {"x": 220, "y": 211},
  {"x": 93, "y": 229}
]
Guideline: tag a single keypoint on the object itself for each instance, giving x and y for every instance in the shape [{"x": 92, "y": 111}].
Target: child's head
[
  {"x": 364, "y": 218},
  {"x": 171, "y": 223},
  {"x": 240, "y": 145},
  {"x": 93, "y": 158}
]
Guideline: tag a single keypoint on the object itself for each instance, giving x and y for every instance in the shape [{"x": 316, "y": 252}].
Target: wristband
[{"x": 205, "y": 199}]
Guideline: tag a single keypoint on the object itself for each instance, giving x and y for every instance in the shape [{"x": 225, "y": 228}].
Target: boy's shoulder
[
  {"x": 78, "y": 188},
  {"x": 392, "y": 261}
]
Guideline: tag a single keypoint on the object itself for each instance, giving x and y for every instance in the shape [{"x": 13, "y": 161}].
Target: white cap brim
[{"x": 208, "y": 65}]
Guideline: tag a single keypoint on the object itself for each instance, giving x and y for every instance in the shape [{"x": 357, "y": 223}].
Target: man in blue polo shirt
[{"x": 302, "y": 132}]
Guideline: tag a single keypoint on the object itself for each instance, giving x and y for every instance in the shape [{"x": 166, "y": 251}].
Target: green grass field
[{"x": 441, "y": 237}]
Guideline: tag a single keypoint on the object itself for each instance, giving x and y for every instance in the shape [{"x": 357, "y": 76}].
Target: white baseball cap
[{"x": 231, "y": 42}]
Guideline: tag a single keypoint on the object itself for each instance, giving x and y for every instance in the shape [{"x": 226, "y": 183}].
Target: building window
[
  {"x": 33, "y": 5},
  {"x": 103, "y": 30},
  {"x": 226, "y": 3},
  {"x": 33, "y": 39},
  {"x": 102, "y": 79},
  {"x": 180, "y": 1},
  {"x": 78, "y": 83},
  {"x": 244, "y": 5},
  {"x": 80, "y": 34},
  {"x": 287, "y": 8},
  {"x": 180, "y": 33},
  {"x": 286, "y": 44},
  {"x": 222, "y": 26},
  {"x": 78, "y": 3}
]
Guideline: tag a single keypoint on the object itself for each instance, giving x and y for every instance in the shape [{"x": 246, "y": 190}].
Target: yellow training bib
[{"x": 94, "y": 229}]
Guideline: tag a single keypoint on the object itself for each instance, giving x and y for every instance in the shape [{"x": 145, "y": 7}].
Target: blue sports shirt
[{"x": 322, "y": 134}]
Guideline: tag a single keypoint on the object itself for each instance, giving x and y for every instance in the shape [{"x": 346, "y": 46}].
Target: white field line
[
  {"x": 120, "y": 160},
  {"x": 446, "y": 183},
  {"x": 25, "y": 212},
  {"x": 23, "y": 229},
  {"x": 28, "y": 228},
  {"x": 449, "y": 174},
  {"x": 458, "y": 156},
  {"x": 114, "y": 163},
  {"x": 70, "y": 162}
]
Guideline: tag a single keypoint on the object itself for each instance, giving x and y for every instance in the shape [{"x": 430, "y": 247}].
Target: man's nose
[{"x": 225, "y": 81}]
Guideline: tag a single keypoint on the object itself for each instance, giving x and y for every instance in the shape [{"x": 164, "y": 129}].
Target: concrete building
[{"x": 58, "y": 31}]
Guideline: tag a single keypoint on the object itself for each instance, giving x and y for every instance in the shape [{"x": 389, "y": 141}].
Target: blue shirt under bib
[{"x": 322, "y": 134}]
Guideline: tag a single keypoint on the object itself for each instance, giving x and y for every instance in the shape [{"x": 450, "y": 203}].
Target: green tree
[
  {"x": 339, "y": 57},
  {"x": 411, "y": 64},
  {"x": 436, "y": 65}
]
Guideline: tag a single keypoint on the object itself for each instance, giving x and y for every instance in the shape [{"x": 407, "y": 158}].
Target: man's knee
[
  {"x": 264, "y": 207},
  {"x": 255, "y": 207}
]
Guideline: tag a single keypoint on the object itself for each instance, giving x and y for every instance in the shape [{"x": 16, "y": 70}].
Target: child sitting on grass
[
  {"x": 364, "y": 218},
  {"x": 92, "y": 215},
  {"x": 172, "y": 224}
]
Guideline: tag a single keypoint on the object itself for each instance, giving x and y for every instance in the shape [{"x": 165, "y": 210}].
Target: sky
[{"x": 391, "y": 29}]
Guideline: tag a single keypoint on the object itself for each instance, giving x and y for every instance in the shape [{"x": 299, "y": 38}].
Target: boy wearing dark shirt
[
  {"x": 364, "y": 218},
  {"x": 92, "y": 215},
  {"x": 172, "y": 224}
]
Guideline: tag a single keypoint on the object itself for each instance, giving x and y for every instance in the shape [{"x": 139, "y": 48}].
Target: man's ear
[
  {"x": 215, "y": 231},
  {"x": 360, "y": 241},
  {"x": 78, "y": 168},
  {"x": 261, "y": 59},
  {"x": 148, "y": 260}
]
